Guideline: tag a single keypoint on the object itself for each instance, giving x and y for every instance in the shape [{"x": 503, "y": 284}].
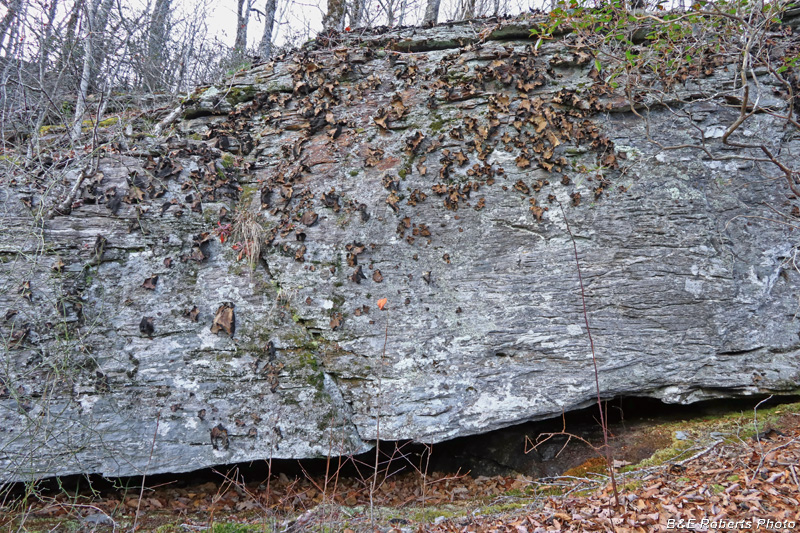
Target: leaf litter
[{"x": 729, "y": 476}]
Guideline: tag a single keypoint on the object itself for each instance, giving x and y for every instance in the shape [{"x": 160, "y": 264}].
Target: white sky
[
  {"x": 297, "y": 17},
  {"x": 304, "y": 17}
]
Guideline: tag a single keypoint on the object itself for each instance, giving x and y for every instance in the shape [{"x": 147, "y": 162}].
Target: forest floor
[{"x": 738, "y": 472}]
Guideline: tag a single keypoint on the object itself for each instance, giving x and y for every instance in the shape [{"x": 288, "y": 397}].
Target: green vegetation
[
  {"x": 227, "y": 161},
  {"x": 232, "y": 527},
  {"x": 238, "y": 95},
  {"x": 86, "y": 125}
]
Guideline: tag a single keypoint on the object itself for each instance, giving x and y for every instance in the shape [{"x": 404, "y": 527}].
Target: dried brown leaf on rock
[
  {"x": 392, "y": 200},
  {"x": 413, "y": 142},
  {"x": 150, "y": 283},
  {"x": 357, "y": 275},
  {"x": 192, "y": 313},
  {"x": 309, "y": 218},
  {"x": 374, "y": 156},
  {"x": 381, "y": 119},
  {"x": 224, "y": 319},
  {"x": 146, "y": 326}
]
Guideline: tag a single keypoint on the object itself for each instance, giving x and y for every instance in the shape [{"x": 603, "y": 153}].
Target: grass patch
[{"x": 595, "y": 465}]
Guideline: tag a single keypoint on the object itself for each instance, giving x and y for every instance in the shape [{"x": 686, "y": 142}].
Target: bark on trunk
[
  {"x": 468, "y": 10},
  {"x": 242, "y": 19},
  {"x": 265, "y": 48},
  {"x": 6, "y": 28},
  {"x": 431, "y": 12},
  {"x": 157, "y": 39},
  {"x": 356, "y": 12},
  {"x": 334, "y": 18},
  {"x": 96, "y": 22},
  {"x": 47, "y": 38}
]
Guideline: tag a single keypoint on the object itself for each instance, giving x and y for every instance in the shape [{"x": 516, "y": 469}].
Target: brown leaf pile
[
  {"x": 752, "y": 485},
  {"x": 733, "y": 485}
]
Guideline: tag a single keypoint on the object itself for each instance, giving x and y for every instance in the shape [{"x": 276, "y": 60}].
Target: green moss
[
  {"x": 227, "y": 161},
  {"x": 430, "y": 514},
  {"x": 237, "y": 95},
  {"x": 632, "y": 485},
  {"x": 52, "y": 128},
  {"x": 232, "y": 527},
  {"x": 436, "y": 126},
  {"x": 310, "y": 360},
  {"x": 316, "y": 380},
  {"x": 353, "y": 173},
  {"x": 86, "y": 125},
  {"x": 110, "y": 121},
  {"x": 678, "y": 450}
]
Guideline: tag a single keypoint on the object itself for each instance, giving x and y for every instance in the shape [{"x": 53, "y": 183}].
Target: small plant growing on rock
[{"x": 248, "y": 235}]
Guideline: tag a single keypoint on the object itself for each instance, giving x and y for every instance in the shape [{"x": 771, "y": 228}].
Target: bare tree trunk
[
  {"x": 157, "y": 39},
  {"x": 431, "y": 12},
  {"x": 99, "y": 24},
  {"x": 242, "y": 19},
  {"x": 96, "y": 19},
  {"x": 14, "y": 12},
  {"x": 403, "y": 8},
  {"x": 356, "y": 12},
  {"x": 388, "y": 9},
  {"x": 334, "y": 18},
  {"x": 47, "y": 38},
  {"x": 67, "y": 47},
  {"x": 265, "y": 48},
  {"x": 468, "y": 10}
]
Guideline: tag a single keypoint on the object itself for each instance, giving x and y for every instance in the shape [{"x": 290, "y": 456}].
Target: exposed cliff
[{"x": 424, "y": 166}]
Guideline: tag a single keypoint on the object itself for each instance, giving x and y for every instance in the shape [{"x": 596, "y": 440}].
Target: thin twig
[
  {"x": 603, "y": 424},
  {"x": 144, "y": 474}
]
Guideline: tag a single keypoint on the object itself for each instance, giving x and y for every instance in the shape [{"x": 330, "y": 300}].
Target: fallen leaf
[
  {"x": 192, "y": 313},
  {"x": 150, "y": 283},
  {"x": 224, "y": 319},
  {"x": 146, "y": 326}
]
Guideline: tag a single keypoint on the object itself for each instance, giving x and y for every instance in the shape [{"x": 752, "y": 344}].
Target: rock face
[{"x": 427, "y": 167}]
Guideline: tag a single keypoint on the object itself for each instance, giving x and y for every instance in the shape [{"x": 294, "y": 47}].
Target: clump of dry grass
[{"x": 249, "y": 232}]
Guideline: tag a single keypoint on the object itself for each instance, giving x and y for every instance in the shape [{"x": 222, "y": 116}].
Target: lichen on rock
[{"x": 431, "y": 173}]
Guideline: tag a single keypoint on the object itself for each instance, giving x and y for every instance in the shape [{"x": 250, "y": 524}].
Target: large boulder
[{"x": 212, "y": 297}]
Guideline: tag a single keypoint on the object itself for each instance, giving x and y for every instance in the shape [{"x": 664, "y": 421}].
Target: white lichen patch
[
  {"x": 693, "y": 286},
  {"x": 574, "y": 329}
]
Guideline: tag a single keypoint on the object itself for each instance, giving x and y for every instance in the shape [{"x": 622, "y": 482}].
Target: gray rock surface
[{"x": 393, "y": 170}]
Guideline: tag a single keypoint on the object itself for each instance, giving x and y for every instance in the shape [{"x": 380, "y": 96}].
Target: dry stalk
[
  {"x": 248, "y": 232},
  {"x": 603, "y": 424}
]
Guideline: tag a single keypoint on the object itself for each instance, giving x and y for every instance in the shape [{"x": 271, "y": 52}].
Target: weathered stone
[{"x": 691, "y": 287}]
